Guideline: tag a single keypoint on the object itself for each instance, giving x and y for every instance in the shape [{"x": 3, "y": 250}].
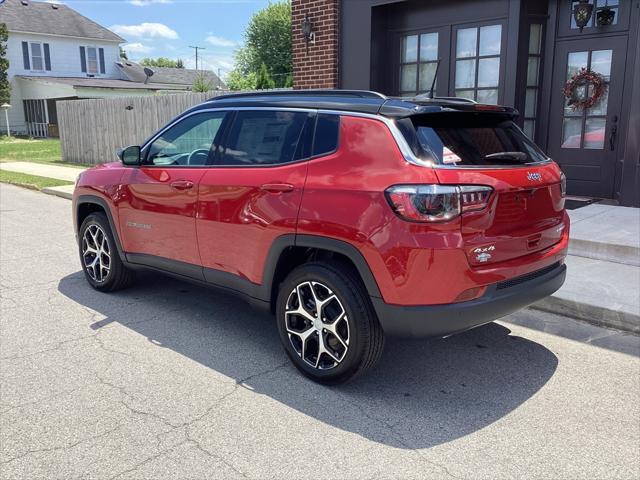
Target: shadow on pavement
[{"x": 422, "y": 393}]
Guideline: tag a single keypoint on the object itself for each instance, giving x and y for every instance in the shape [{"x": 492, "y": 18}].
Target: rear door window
[
  {"x": 462, "y": 139},
  {"x": 326, "y": 136},
  {"x": 264, "y": 138}
]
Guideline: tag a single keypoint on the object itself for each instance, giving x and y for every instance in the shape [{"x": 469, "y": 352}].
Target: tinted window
[
  {"x": 326, "y": 138},
  {"x": 472, "y": 139},
  {"x": 188, "y": 142},
  {"x": 263, "y": 138}
]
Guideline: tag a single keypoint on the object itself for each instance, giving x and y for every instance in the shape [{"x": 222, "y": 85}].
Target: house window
[
  {"x": 37, "y": 57},
  {"x": 92, "y": 60},
  {"x": 477, "y": 69},
  {"x": 533, "y": 79},
  {"x": 613, "y": 4},
  {"x": 418, "y": 62}
]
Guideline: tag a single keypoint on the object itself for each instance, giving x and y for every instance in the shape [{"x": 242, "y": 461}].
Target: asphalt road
[{"x": 169, "y": 380}]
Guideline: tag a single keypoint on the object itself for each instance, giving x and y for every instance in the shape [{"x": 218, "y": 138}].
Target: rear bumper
[{"x": 499, "y": 300}]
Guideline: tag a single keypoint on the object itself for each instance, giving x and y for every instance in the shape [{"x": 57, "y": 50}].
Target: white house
[{"x": 57, "y": 54}]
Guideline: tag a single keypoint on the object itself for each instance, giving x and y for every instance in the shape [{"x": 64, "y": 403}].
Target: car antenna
[{"x": 435, "y": 77}]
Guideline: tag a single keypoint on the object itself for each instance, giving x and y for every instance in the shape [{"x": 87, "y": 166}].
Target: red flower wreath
[{"x": 585, "y": 78}]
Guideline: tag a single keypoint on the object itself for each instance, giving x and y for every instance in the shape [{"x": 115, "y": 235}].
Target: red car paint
[{"x": 228, "y": 218}]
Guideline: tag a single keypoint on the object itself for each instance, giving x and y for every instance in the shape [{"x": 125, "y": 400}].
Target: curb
[
  {"x": 58, "y": 193},
  {"x": 593, "y": 314},
  {"x": 609, "y": 252}
]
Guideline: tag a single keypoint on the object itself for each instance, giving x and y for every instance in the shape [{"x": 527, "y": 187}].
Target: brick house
[{"x": 514, "y": 52}]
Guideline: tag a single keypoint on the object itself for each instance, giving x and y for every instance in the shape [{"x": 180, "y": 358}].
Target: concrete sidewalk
[{"x": 68, "y": 174}]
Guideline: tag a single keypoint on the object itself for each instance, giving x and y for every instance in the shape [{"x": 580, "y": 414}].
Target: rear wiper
[{"x": 520, "y": 156}]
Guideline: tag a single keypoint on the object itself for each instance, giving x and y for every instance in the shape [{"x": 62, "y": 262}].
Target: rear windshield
[{"x": 469, "y": 139}]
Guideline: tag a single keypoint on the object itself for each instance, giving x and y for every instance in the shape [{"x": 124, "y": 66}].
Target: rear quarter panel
[{"x": 344, "y": 199}]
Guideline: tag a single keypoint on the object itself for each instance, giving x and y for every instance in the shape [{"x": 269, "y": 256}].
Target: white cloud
[
  {"x": 144, "y": 3},
  {"x": 221, "y": 41},
  {"x": 136, "y": 48},
  {"x": 145, "y": 30}
]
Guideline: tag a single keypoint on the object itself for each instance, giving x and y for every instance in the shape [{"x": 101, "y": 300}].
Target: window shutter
[
  {"x": 47, "y": 57},
  {"x": 101, "y": 56},
  {"x": 83, "y": 60},
  {"x": 25, "y": 55}
]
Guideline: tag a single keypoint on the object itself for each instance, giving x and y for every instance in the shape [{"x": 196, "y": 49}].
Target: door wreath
[{"x": 584, "y": 89}]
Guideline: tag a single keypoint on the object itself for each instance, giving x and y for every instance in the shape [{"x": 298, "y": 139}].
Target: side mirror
[{"x": 130, "y": 155}]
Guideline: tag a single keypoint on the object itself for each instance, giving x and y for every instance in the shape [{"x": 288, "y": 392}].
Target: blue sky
[{"x": 166, "y": 28}]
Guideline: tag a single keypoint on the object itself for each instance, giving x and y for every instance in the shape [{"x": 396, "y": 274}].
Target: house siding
[{"x": 65, "y": 62}]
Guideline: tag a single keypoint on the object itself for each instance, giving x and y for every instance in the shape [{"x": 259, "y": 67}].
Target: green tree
[
  {"x": 179, "y": 63},
  {"x": 161, "y": 62},
  {"x": 267, "y": 42},
  {"x": 264, "y": 79},
  {"x": 201, "y": 84},
  {"x": 238, "y": 81},
  {"x": 123, "y": 54},
  {"x": 5, "y": 86}
]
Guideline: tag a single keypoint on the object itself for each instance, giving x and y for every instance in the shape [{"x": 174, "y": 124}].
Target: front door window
[
  {"x": 585, "y": 128},
  {"x": 477, "y": 68}
]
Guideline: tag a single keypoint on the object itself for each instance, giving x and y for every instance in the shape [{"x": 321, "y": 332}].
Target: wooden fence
[{"x": 91, "y": 131}]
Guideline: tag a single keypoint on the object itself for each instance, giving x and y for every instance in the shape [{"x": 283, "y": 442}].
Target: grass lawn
[
  {"x": 30, "y": 181},
  {"x": 15, "y": 149}
]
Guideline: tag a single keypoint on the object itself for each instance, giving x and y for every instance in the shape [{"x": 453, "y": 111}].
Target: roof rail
[{"x": 311, "y": 92}]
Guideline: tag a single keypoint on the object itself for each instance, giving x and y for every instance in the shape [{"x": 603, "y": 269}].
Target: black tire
[
  {"x": 365, "y": 336},
  {"x": 118, "y": 276}
]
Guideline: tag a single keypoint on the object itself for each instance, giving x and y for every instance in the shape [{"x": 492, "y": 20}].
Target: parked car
[{"x": 347, "y": 214}]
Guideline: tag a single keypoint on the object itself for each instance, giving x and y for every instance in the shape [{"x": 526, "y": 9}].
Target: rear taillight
[
  {"x": 474, "y": 198},
  {"x": 563, "y": 184},
  {"x": 436, "y": 203}
]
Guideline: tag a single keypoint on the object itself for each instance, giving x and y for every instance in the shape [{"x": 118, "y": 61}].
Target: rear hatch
[{"x": 525, "y": 211}]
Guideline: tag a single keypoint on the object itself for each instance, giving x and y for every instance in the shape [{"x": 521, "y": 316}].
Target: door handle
[
  {"x": 182, "y": 184},
  {"x": 277, "y": 187},
  {"x": 612, "y": 137}
]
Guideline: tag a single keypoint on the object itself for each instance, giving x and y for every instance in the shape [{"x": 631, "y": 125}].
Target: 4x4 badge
[
  {"x": 483, "y": 257},
  {"x": 482, "y": 253},
  {"x": 534, "y": 177}
]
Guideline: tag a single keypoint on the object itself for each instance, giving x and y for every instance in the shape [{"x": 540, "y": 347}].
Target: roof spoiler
[{"x": 407, "y": 108}]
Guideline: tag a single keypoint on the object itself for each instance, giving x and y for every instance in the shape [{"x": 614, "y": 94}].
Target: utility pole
[{"x": 196, "y": 49}]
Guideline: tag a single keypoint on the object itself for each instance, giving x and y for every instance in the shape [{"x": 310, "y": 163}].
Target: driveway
[{"x": 170, "y": 380}]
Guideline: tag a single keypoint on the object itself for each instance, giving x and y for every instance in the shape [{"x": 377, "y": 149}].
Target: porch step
[{"x": 606, "y": 232}]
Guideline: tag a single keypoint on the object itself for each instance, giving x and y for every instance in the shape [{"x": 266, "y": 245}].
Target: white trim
[
  {"x": 86, "y": 60},
  {"x": 42, "y": 59},
  {"x": 122, "y": 40}
]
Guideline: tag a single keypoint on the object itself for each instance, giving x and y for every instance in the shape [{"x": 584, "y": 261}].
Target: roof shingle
[{"x": 49, "y": 18}]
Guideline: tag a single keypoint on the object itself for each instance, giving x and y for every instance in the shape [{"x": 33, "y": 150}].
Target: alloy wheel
[
  {"x": 96, "y": 253},
  {"x": 317, "y": 325}
]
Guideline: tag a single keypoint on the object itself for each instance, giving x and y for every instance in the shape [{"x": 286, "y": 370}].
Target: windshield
[{"x": 465, "y": 139}]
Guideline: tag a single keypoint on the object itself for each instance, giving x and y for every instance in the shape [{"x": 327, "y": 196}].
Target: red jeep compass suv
[{"x": 347, "y": 214}]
